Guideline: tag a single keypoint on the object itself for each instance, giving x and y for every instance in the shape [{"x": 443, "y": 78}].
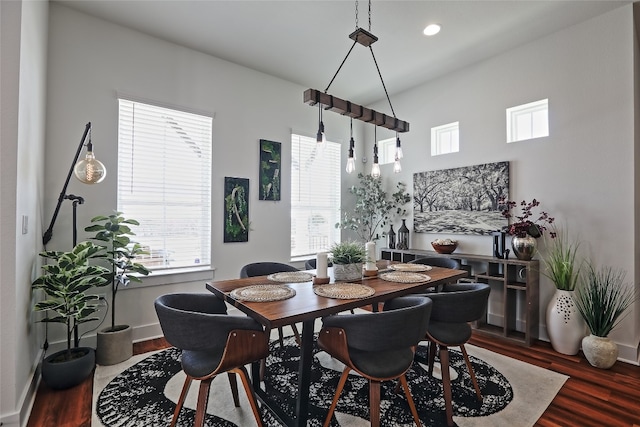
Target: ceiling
[{"x": 305, "y": 41}]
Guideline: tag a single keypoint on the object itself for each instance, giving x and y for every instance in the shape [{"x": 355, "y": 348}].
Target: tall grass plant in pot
[
  {"x": 65, "y": 282},
  {"x": 347, "y": 258},
  {"x": 563, "y": 266},
  {"x": 115, "y": 343},
  {"x": 602, "y": 299}
]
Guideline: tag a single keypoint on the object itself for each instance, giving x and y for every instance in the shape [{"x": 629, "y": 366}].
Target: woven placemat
[
  {"x": 415, "y": 268},
  {"x": 344, "y": 291},
  {"x": 290, "y": 277},
  {"x": 404, "y": 277},
  {"x": 263, "y": 293}
]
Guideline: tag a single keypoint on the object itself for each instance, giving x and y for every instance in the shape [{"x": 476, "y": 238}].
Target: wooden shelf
[{"x": 515, "y": 280}]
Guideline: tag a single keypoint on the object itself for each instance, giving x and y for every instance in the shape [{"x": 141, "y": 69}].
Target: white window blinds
[
  {"x": 164, "y": 182},
  {"x": 315, "y": 195}
]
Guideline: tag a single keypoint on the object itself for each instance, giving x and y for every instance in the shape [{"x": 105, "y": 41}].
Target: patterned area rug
[{"x": 143, "y": 391}]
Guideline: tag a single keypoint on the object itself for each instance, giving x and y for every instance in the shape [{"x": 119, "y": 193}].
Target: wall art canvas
[
  {"x": 460, "y": 200},
  {"x": 236, "y": 209},
  {"x": 270, "y": 164}
]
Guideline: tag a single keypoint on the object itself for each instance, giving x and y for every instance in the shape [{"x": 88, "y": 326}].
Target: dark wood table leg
[{"x": 304, "y": 373}]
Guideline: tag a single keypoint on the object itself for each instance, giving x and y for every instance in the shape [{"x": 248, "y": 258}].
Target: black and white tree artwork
[{"x": 461, "y": 200}]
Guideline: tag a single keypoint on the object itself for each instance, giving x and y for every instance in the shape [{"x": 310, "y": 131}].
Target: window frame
[{"x": 437, "y": 135}]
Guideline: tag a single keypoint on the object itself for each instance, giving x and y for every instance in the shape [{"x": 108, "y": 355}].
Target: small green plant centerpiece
[
  {"x": 373, "y": 207},
  {"x": 115, "y": 343},
  {"x": 65, "y": 282},
  {"x": 603, "y": 298},
  {"x": 347, "y": 258}
]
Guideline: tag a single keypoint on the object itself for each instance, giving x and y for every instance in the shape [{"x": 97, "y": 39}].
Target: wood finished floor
[{"x": 590, "y": 397}]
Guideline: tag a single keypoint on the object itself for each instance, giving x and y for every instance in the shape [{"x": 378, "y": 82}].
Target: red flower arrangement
[{"x": 525, "y": 225}]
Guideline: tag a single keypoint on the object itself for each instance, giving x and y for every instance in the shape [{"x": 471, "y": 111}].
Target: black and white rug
[{"x": 144, "y": 393}]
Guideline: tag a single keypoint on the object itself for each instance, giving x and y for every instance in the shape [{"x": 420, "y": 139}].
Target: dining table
[{"x": 310, "y": 303}]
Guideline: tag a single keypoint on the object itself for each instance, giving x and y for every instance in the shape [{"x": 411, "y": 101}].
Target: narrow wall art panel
[
  {"x": 460, "y": 200},
  {"x": 270, "y": 164},
  {"x": 236, "y": 209}
]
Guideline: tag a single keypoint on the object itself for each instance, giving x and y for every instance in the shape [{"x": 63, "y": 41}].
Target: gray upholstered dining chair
[
  {"x": 212, "y": 343},
  {"x": 453, "y": 308},
  {"x": 264, "y": 269},
  {"x": 378, "y": 346}
]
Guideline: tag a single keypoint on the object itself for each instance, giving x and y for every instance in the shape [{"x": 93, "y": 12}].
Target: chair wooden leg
[
  {"x": 234, "y": 388},
  {"x": 183, "y": 396},
  {"x": 446, "y": 384},
  {"x": 412, "y": 405},
  {"x": 244, "y": 376},
  {"x": 334, "y": 403},
  {"x": 203, "y": 397},
  {"x": 374, "y": 403},
  {"x": 432, "y": 357},
  {"x": 471, "y": 373},
  {"x": 296, "y": 333}
]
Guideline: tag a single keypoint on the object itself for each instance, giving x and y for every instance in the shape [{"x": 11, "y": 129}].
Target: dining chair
[
  {"x": 310, "y": 264},
  {"x": 378, "y": 346},
  {"x": 438, "y": 262},
  {"x": 453, "y": 308},
  {"x": 212, "y": 343},
  {"x": 264, "y": 269}
]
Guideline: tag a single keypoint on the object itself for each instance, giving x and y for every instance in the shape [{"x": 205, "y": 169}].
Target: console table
[{"x": 516, "y": 281}]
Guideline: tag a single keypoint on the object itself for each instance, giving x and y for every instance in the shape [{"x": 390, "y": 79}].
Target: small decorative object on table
[
  {"x": 403, "y": 236},
  {"x": 322, "y": 276},
  {"x": 444, "y": 246},
  {"x": 347, "y": 258},
  {"x": 391, "y": 236},
  {"x": 370, "y": 269},
  {"x": 524, "y": 230}
]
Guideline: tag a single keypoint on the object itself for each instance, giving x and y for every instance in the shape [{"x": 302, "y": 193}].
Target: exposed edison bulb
[
  {"x": 90, "y": 170},
  {"x": 375, "y": 170},
  {"x": 399, "y": 154},
  {"x": 351, "y": 164},
  {"x": 396, "y": 166}
]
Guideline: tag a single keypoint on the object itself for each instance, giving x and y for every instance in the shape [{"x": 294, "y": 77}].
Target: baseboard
[{"x": 20, "y": 418}]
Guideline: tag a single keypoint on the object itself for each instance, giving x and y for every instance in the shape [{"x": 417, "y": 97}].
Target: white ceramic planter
[
  {"x": 346, "y": 272},
  {"x": 600, "y": 352},
  {"x": 565, "y": 325}
]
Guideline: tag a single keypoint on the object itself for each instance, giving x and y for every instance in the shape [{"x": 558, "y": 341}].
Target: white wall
[
  {"x": 91, "y": 61},
  {"x": 23, "y": 71},
  {"x": 583, "y": 173}
]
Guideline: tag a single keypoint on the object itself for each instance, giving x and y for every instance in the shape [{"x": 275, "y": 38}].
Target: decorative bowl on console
[{"x": 444, "y": 246}]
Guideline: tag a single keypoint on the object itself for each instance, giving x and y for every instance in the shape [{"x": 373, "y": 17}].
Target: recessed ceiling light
[{"x": 431, "y": 29}]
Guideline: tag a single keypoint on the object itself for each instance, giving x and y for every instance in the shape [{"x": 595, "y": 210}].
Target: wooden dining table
[{"x": 305, "y": 307}]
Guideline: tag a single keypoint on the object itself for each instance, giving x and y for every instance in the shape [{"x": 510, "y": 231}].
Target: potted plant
[
  {"x": 347, "y": 258},
  {"x": 65, "y": 282},
  {"x": 602, "y": 298},
  {"x": 562, "y": 266},
  {"x": 115, "y": 343},
  {"x": 373, "y": 207},
  {"x": 526, "y": 229}
]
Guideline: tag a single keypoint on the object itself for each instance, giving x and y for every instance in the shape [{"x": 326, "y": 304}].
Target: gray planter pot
[
  {"x": 346, "y": 272},
  {"x": 114, "y": 346},
  {"x": 61, "y": 374}
]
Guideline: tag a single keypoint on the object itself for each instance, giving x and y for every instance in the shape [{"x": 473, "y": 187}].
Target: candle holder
[
  {"x": 370, "y": 273},
  {"x": 320, "y": 280}
]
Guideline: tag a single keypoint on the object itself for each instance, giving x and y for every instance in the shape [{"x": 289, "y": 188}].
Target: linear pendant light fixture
[{"x": 347, "y": 108}]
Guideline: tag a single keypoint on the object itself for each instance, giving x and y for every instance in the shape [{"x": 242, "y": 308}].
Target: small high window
[
  {"x": 445, "y": 139},
  {"x": 528, "y": 121}
]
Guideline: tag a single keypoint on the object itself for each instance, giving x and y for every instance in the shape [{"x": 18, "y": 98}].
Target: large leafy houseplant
[
  {"x": 114, "y": 234},
  {"x": 65, "y": 283},
  {"x": 373, "y": 207}
]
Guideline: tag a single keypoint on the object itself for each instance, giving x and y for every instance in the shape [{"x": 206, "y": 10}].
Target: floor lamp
[{"x": 90, "y": 171}]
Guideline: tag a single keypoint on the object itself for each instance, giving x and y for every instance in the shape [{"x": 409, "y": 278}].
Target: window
[
  {"x": 164, "y": 182},
  {"x": 387, "y": 151},
  {"x": 445, "y": 139},
  {"x": 528, "y": 121},
  {"x": 315, "y": 195}
]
